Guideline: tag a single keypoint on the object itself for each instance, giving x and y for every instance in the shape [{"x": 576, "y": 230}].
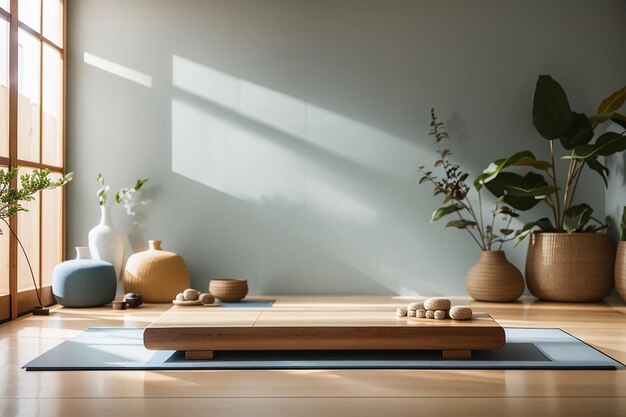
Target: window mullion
[{"x": 13, "y": 127}]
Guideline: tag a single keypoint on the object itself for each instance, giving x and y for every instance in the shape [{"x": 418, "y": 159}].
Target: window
[{"x": 31, "y": 136}]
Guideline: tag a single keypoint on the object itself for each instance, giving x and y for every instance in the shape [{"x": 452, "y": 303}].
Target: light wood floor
[{"x": 316, "y": 393}]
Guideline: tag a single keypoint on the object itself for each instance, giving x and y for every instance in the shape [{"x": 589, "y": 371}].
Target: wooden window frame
[{"x": 19, "y": 302}]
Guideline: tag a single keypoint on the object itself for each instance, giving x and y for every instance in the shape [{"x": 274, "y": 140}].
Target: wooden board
[{"x": 330, "y": 328}]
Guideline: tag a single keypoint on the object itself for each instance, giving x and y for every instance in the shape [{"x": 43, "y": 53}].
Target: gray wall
[{"x": 282, "y": 138}]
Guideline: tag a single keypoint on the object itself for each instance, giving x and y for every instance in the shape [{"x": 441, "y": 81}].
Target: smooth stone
[
  {"x": 415, "y": 306},
  {"x": 439, "y": 314},
  {"x": 206, "y": 298},
  {"x": 401, "y": 312},
  {"x": 460, "y": 313},
  {"x": 430, "y": 314},
  {"x": 133, "y": 300},
  {"x": 437, "y": 304},
  {"x": 421, "y": 313},
  {"x": 180, "y": 297},
  {"x": 191, "y": 295},
  {"x": 411, "y": 313}
]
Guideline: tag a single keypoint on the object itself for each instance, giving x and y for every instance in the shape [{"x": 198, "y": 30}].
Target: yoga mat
[
  {"x": 248, "y": 302},
  {"x": 122, "y": 349}
]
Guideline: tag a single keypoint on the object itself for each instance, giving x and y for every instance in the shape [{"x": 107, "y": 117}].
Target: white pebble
[
  {"x": 437, "y": 304},
  {"x": 415, "y": 306},
  {"x": 439, "y": 314},
  {"x": 461, "y": 313},
  {"x": 401, "y": 312}
]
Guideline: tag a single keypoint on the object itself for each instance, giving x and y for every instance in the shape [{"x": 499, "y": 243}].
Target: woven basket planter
[
  {"x": 574, "y": 267},
  {"x": 620, "y": 270},
  {"x": 493, "y": 278}
]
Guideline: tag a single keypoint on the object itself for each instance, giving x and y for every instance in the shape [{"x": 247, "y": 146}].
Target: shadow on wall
[{"x": 332, "y": 184}]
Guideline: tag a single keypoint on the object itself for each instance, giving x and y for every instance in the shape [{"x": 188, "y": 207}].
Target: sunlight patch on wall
[
  {"x": 231, "y": 159},
  {"x": 339, "y": 135},
  {"x": 117, "y": 69}
]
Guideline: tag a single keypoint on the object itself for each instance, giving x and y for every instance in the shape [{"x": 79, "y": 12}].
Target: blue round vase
[{"x": 84, "y": 283}]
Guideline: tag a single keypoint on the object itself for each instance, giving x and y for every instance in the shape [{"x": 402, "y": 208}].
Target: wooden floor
[{"x": 315, "y": 392}]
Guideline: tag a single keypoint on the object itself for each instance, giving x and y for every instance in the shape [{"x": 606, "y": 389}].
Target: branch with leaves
[
  {"x": 452, "y": 185},
  {"x": 12, "y": 199},
  {"x": 123, "y": 196}
]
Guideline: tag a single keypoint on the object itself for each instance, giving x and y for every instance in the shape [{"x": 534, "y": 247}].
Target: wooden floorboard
[
  {"x": 315, "y": 392},
  {"x": 316, "y": 407}
]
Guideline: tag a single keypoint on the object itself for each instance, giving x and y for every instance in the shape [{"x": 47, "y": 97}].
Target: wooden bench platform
[{"x": 201, "y": 331}]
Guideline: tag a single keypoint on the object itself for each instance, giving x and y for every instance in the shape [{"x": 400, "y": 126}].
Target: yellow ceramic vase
[{"x": 156, "y": 274}]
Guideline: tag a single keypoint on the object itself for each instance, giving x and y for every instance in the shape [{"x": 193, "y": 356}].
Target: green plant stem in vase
[{"x": 493, "y": 278}]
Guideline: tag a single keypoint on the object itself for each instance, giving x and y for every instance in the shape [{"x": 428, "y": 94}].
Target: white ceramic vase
[
  {"x": 82, "y": 252},
  {"x": 106, "y": 242}
]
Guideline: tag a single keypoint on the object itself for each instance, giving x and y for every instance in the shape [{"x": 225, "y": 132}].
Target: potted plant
[
  {"x": 12, "y": 198},
  {"x": 493, "y": 278},
  {"x": 620, "y": 260},
  {"x": 570, "y": 256}
]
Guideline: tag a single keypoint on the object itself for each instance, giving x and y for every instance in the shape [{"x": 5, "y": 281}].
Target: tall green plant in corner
[{"x": 575, "y": 132}]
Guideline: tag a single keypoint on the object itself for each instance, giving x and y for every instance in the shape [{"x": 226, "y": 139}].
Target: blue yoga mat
[{"x": 122, "y": 349}]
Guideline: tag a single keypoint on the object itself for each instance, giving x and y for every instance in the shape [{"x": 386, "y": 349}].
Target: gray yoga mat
[
  {"x": 248, "y": 302},
  {"x": 122, "y": 349}
]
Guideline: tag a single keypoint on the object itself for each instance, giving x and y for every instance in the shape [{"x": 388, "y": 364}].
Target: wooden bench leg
[
  {"x": 457, "y": 354},
  {"x": 199, "y": 355}
]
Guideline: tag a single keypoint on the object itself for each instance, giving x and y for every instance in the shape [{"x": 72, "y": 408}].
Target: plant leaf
[
  {"x": 578, "y": 132},
  {"x": 607, "y": 144},
  {"x": 595, "y": 165},
  {"x": 140, "y": 183},
  {"x": 576, "y": 217},
  {"x": 444, "y": 211},
  {"x": 551, "y": 109},
  {"x": 100, "y": 179},
  {"x": 520, "y": 192},
  {"x": 544, "y": 224},
  {"x": 461, "y": 224},
  {"x": 520, "y": 159},
  {"x": 620, "y": 119},
  {"x": 613, "y": 102}
]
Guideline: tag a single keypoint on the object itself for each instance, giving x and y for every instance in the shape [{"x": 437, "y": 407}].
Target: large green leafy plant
[
  {"x": 451, "y": 184},
  {"x": 12, "y": 198},
  {"x": 575, "y": 132}
]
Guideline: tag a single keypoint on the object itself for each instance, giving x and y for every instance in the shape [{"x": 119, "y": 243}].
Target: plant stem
[
  {"x": 470, "y": 210},
  {"x": 480, "y": 209},
  {"x": 27, "y": 261},
  {"x": 508, "y": 224},
  {"x": 577, "y": 175},
  {"x": 482, "y": 245},
  {"x": 570, "y": 176},
  {"x": 556, "y": 209}
]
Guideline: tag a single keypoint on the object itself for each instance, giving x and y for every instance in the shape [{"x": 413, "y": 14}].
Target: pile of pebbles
[
  {"x": 192, "y": 295},
  {"x": 435, "y": 308}
]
